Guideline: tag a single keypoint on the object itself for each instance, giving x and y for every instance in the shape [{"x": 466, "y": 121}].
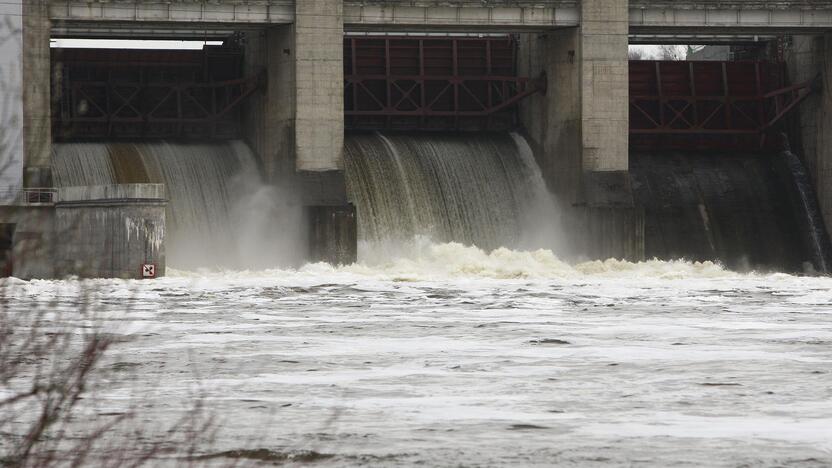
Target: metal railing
[{"x": 27, "y": 196}]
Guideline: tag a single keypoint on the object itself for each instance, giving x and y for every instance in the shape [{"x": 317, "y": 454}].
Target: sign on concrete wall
[{"x": 11, "y": 106}]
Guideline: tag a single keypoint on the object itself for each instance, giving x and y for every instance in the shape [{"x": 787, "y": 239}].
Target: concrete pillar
[
  {"x": 37, "y": 130},
  {"x": 605, "y": 85},
  {"x": 580, "y": 130},
  {"x": 319, "y": 74},
  {"x": 269, "y": 118},
  {"x": 11, "y": 104},
  {"x": 303, "y": 103},
  {"x": 297, "y": 127},
  {"x": 333, "y": 235},
  {"x": 584, "y": 139},
  {"x": 808, "y": 56}
]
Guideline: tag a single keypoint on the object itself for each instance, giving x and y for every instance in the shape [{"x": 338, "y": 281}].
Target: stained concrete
[
  {"x": 580, "y": 129},
  {"x": 333, "y": 237},
  {"x": 33, "y": 242},
  {"x": 297, "y": 127},
  {"x": 110, "y": 231},
  {"x": 739, "y": 209},
  {"x": 807, "y": 57},
  {"x": 269, "y": 116},
  {"x": 37, "y": 130},
  {"x": 319, "y": 85}
]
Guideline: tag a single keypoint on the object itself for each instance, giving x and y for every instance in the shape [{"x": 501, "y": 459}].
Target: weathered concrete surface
[
  {"x": 582, "y": 124},
  {"x": 110, "y": 231},
  {"x": 733, "y": 208},
  {"x": 808, "y": 56},
  {"x": 299, "y": 122},
  {"x": 333, "y": 235},
  {"x": 33, "y": 240},
  {"x": 319, "y": 84},
  {"x": 37, "y": 130},
  {"x": 269, "y": 118},
  {"x": 553, "y": 122},
  {"x": 580, "y": 128},
  {"x": 605, "y": 85}
]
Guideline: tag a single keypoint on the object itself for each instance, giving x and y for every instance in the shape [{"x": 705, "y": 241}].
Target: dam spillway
[
  {"x": 475, "y": 189},
  {"x": 212, "y": 188},
  {"x": 482, "y": 190}
]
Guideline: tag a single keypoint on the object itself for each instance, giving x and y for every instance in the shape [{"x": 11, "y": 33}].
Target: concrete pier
[
  {"x": 297, "y": 128},
  {"x": 580, "y": 130},
  {"x": 333, "y": 237},
  {"x": 37, "y": 125}
]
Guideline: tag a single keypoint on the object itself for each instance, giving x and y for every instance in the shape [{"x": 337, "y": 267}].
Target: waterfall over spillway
[
  {"x": 480, "y": 189},
  {"x": 218, "y": 210},
  {"x": 476, "y": 189}
]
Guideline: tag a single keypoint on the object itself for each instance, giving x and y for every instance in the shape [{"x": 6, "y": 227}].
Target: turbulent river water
[
  {"x": 450, "y": 356},
  {"x": 437, "y": 353}
]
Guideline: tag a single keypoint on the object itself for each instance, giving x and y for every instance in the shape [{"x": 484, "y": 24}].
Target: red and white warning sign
[{"x": 148, "y": 270}]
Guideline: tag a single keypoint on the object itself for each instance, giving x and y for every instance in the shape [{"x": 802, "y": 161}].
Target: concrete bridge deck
[{"x": 181, "y": 17}]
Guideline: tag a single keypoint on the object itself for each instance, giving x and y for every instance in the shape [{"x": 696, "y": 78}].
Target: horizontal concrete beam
[
  {"x": 180, "y": 18},
  {"x": 175, "y": 11},
  {"x": 643, "y": 20},
  {"x": 360, "y": 17}
]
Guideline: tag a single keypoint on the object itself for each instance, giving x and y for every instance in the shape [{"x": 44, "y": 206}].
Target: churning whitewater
[
  {"x": 460, "y": 338},
  {"x": 450, "y": 355},
  {"x": 486, "y": 191}
]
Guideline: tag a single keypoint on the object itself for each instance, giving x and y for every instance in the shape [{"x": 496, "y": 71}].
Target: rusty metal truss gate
[
  {"x": 410, "y": 83},
  {"x": 710, "y": 105},
  {"x": 147, "y": 94},
  {"x": 433, "y": 83}
]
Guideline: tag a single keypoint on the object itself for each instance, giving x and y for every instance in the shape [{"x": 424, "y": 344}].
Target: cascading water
[
  {"x": 484, "y": 189},
  {"x": 219, "y": 212}
]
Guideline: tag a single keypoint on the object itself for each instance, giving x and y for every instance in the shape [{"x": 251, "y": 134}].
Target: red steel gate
[
  {"x": 432, "y": 83},
  {"x": 709, "y": 105}
]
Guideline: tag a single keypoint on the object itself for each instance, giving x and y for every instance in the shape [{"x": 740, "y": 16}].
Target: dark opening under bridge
[{"x": 412, "y": 83}]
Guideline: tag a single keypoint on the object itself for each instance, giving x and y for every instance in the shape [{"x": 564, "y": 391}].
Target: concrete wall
[
  {"x": 808, "y": 56},
  {"x": 37, "y": 131},
  {"x": 110, "y": 231},
  {"x": 11, "y": 105},
  {"x": 33, "y": 241}
]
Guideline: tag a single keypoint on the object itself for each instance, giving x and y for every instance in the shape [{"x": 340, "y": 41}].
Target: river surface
[{"x": 452, "y": 357}]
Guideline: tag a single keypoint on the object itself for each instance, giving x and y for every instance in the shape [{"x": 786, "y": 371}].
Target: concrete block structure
[
  {"x": 110, "y": 231},
  {"x": 579, "y": 129}
]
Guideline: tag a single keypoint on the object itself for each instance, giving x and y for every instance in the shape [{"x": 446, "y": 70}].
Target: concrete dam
[{"x": 300, "y": 138}]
